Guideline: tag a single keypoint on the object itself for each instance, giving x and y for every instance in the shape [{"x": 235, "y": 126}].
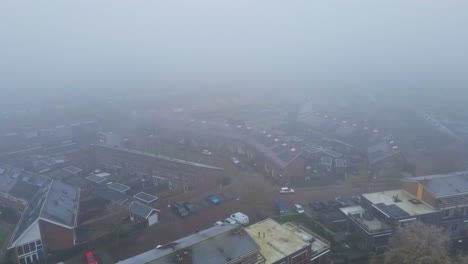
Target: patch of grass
[{"x": 3, "y": 235}]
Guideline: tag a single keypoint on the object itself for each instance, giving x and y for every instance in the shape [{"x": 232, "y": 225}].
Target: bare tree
[{"x": 418, "y": 243}]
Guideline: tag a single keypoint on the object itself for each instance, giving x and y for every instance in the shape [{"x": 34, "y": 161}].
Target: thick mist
[{"x": 62, "y": 50}]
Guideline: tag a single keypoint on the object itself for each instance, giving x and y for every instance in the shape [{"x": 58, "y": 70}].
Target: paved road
[{"x": 249, "y": 192}]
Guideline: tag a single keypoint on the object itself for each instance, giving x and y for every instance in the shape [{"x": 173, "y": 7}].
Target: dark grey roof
[
  {"x": 445, "y": 184},
  {"x": 380, "y": 151},
  {"x": 59, "y": 174},
  {"x": 56, "y": 202},
  {"x": 77, "y": 181},
  {"x": 393, "y": 210},
  {"x": 111, "y": 195},
  {"x": 217, "y": 244},
  {"x": 274, "y": 150},
  {"x": 61, "y": 204},
  {"x": 140, "y": 209}
]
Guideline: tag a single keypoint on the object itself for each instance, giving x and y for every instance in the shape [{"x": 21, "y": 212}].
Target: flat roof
[
  {"x": 72, "y": 169},
  {"x": 385, "y": 201},
  {"x": 145, "y": 197},
  {"x": 365, "y": 219},
  {"x": 317, "y": 243},
  {"x": 217, "y": 244},
  {"x": 275, "y": 241},
  {"x": 119, "y": 187},
  {"x": 95, "y": 179}
]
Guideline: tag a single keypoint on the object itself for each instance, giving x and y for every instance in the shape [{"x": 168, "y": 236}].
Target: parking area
[{"x": 249, "y": 192}]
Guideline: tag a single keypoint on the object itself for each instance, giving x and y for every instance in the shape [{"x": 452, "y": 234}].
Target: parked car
[
  {"x": 230, "y": 221},
  {"x": 280, "y": 206},
  {"x": 299, "y": 208},
  {"x": 333, "y": 203},
  {"x": 179, "y": 210},
  {"x": 316, "y": 206},
  {"x": 286, "y": 190},
  {"x": 357, "y": 199},
  {"x": 213, "y": 199},
  {"x": 218, "y": 223},
  {"x": 190, "y": 207},
  {"x": 323, "y": 204},
  {"x": 90, "y": 258},
  {"x": 341, "y": 201},
  {"x": 206, "y": 152},
  {"x": 235, "y": 160},
  {"x": 240, "y": 218}
]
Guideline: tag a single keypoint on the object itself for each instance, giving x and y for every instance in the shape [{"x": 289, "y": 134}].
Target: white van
[{"x": 240, "y": 218}]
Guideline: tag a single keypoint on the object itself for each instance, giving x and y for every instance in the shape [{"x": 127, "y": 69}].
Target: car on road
[
  {"x": 190, "y": 207},
  {"x": 230, "y": 221},
  {"x": 286, "y": 190},
  {"x": 90, "y": 258},
  {"x": 316, "y": 206},
  {"x": 299, "y": 208},
  {"x": 235, "y": 160},
  {"x": 213, "y": 199},
  {"x": 180, "y": 210},
  {"x": 206, "y": 152}
]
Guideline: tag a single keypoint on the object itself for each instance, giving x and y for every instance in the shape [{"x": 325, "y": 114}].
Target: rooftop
[
  {"x": 159, "y": 157},
  {"x": 455, "y": 183},
  {"x": 119, "y": 187},
  {"x": 277, "y": 241},
  {"x": 217, "y": 244},
  {"x": 380, "y": 151},
  {"x": 398, "y": 204},
  {"x": 72, "y": 169},
  {"x": 56, "y": 202},
  {"x": 145, "y": 197},
  {"x": 141, "y": 209},
  {"x": 365, "y": 219},
  {"x": 95, "y": 178}
]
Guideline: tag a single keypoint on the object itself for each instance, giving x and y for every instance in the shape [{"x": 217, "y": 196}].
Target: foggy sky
[{"x": 71, "y": 48}]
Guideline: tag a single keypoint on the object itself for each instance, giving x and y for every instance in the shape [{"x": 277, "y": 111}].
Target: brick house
[{"x": 48, "y": 223}]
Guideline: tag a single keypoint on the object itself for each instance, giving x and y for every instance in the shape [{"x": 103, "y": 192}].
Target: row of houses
[
  {"x": 440, "y": 200},
  {"x": 264, "y": 242}
]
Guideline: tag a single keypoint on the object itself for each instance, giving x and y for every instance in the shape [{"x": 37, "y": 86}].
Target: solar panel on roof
[{"x": 393, "y": 210}]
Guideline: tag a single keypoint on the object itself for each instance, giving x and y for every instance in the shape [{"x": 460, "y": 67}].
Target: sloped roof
[
  {"x": 217, "y": 244},
  {"x": 141, "y": 209},
  {"x": 56, "y": 203},
  {"x": 440, "y": 185}
]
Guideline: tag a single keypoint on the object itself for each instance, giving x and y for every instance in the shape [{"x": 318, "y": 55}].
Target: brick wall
[{"x": 55, "y": 237}]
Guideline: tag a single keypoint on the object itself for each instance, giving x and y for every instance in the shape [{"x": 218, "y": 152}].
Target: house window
[
  {"x": 446, "y": 213},
  {"x": 466, "y": 210},
  {"x": 27, "y": 254}
]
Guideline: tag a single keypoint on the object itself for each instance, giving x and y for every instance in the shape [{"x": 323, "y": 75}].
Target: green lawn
[{"x": 3, "y": 236}]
